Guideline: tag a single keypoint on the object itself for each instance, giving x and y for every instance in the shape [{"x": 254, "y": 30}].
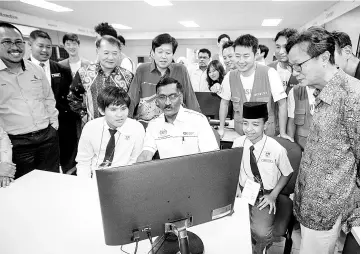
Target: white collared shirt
[
  {"x": 199, "y": 80},
  {"x": 272, "y": 160},
  {"x": 94, "y": 140},
  {"x": 46, "y": 68},
  {"x": 190, "y": 133}
]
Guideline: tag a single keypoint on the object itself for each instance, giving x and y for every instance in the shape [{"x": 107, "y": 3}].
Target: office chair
[{"x": 285, "y": 220}]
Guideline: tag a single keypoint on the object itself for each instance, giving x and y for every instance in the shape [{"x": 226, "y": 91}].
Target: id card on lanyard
[{"x": 250, "y": 191}]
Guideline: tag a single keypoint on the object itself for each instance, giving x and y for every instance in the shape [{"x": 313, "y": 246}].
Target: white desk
[{"x": 49, "y": 213}]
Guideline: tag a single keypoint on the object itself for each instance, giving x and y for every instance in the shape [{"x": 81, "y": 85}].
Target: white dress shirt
[
  {"x": 199, "y": 80},
  {"x": 272, "y": 161},
  {"x": 190, "y": 133},
  {"x": 94, "y": 140},
  {"x": 46, "y": 68}
]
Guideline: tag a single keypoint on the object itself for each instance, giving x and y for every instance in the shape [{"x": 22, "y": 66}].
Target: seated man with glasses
[{"x": 178, "y": 131}]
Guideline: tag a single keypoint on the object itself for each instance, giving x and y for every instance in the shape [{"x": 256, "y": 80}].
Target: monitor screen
[
  {"x": 209, "y": 104},
  {"x": 148, "y": 195}
]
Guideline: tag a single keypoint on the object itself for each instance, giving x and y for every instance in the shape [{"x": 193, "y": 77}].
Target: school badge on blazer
[{"x": 55, "y": 75}]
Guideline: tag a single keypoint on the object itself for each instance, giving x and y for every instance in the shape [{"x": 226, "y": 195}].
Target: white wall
[{"x": 348, "y": 23}]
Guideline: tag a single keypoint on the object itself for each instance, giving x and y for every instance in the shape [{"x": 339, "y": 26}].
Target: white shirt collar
[
  {"x": 259, "y": 145},
  {"x": 120, "y": 129},
  {"x": 180, "y": 116},
  {"x": 46, "y": 63},
  {"x": 2, "y": 65}
]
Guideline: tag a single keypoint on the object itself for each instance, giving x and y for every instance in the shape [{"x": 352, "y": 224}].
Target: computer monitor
[
  {"x": 148, "y": 195},
  {"x": 209, "y": 104}
]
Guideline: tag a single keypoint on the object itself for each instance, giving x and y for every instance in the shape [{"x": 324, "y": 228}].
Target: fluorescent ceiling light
[
  {"x": 47, "y": 5},
  {"x": 158, "y": 2},
  {"x": 189, "y": 23},
  {"x": 271, "y": 22},
  {"x": 120, "y": 26}
]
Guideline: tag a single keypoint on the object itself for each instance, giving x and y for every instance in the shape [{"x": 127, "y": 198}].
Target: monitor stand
[{"x": 177, "y": 240}]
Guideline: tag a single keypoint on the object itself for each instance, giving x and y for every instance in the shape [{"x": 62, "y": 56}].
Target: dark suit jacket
[{"x": 61, "y": 79}]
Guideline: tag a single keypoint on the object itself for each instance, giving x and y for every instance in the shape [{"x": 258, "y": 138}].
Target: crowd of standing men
[{"x": 310, "y": 94}]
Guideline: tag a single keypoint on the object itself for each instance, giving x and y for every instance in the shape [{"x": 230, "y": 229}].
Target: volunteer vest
[
  {"x": 261, "y": 92},
  {"x": 303, "y": 117},
  {"x": 291, "y": 82}
]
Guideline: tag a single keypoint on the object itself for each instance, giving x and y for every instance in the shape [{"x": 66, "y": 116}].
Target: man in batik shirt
[
  {"x": 327, "y": 192},
  {"x": 91, "y": 79}
]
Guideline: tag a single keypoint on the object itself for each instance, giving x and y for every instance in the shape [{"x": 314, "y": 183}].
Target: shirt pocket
[
  {"x": 300, "y": 115},
  {"x": 35, "y": 90}
]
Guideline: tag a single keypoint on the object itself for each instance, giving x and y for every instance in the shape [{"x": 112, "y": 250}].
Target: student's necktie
[
  {"x": 42, "y": 65},
  {"x": 254, "y": 167},
  {"x": 109, "y": 152}
]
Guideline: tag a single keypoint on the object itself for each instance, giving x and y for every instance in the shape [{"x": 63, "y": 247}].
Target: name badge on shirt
[
  {"x": 250, "y": 191},
  {"x": 55, "y": 75}
]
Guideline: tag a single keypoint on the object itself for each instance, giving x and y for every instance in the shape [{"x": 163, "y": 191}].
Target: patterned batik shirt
[
  {"x": 327, "y": 185},
  {"x": 87, "y": 84}
]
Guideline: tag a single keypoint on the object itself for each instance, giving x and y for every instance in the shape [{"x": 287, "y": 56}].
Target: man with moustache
[
  {"x": 60, "y": 79},
  {"x": 27, "y": 106},
  {"x": 178, "y": 131}
]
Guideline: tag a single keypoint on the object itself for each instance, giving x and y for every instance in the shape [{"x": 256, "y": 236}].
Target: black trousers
[
  {"x": 68, "y": 140},
  {"x": 36, "y": 150}
]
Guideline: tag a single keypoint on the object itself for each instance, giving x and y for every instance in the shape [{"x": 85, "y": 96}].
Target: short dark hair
[
  {"x": 121, "y": 39},
  {"x": 287, "y": 32},
  {"x": 164, "y": 39},
  {"x": 105, "y": 29},
  {"x": 204, "y": 50},
  {"x": 39, "y": 34},
  {"x": 227, "y": 45},
  {"x": 112, "y": 95},
  {"x": 223, "y": 36},
  {"x": 71, "y": 37},
  {"x": 167, "y": 81},
  {"x": 112, "y": 40},
  {"x": 248, "y": 41},
  {"x": 318, "y": 41},
  {"x": 10, "y": 26},
  {"x": 341, "y": 39},
  {"x": 264, "y": 49},
  {"x": 216, "y": 64}
]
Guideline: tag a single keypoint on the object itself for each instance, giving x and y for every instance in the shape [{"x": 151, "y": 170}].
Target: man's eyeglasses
[
  {"x": 298, "y": 67},
  {"x": 172, "y": 97},
  {"x": 8, "y": 43}
]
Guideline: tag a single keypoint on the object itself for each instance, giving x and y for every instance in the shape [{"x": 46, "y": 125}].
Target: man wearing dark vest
[
  {"x": 60, "y": 78},
  {"x": 301, "y": 104},
  {"x": 281, "y": 64},
  {"x": 252, "y": 82}
]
